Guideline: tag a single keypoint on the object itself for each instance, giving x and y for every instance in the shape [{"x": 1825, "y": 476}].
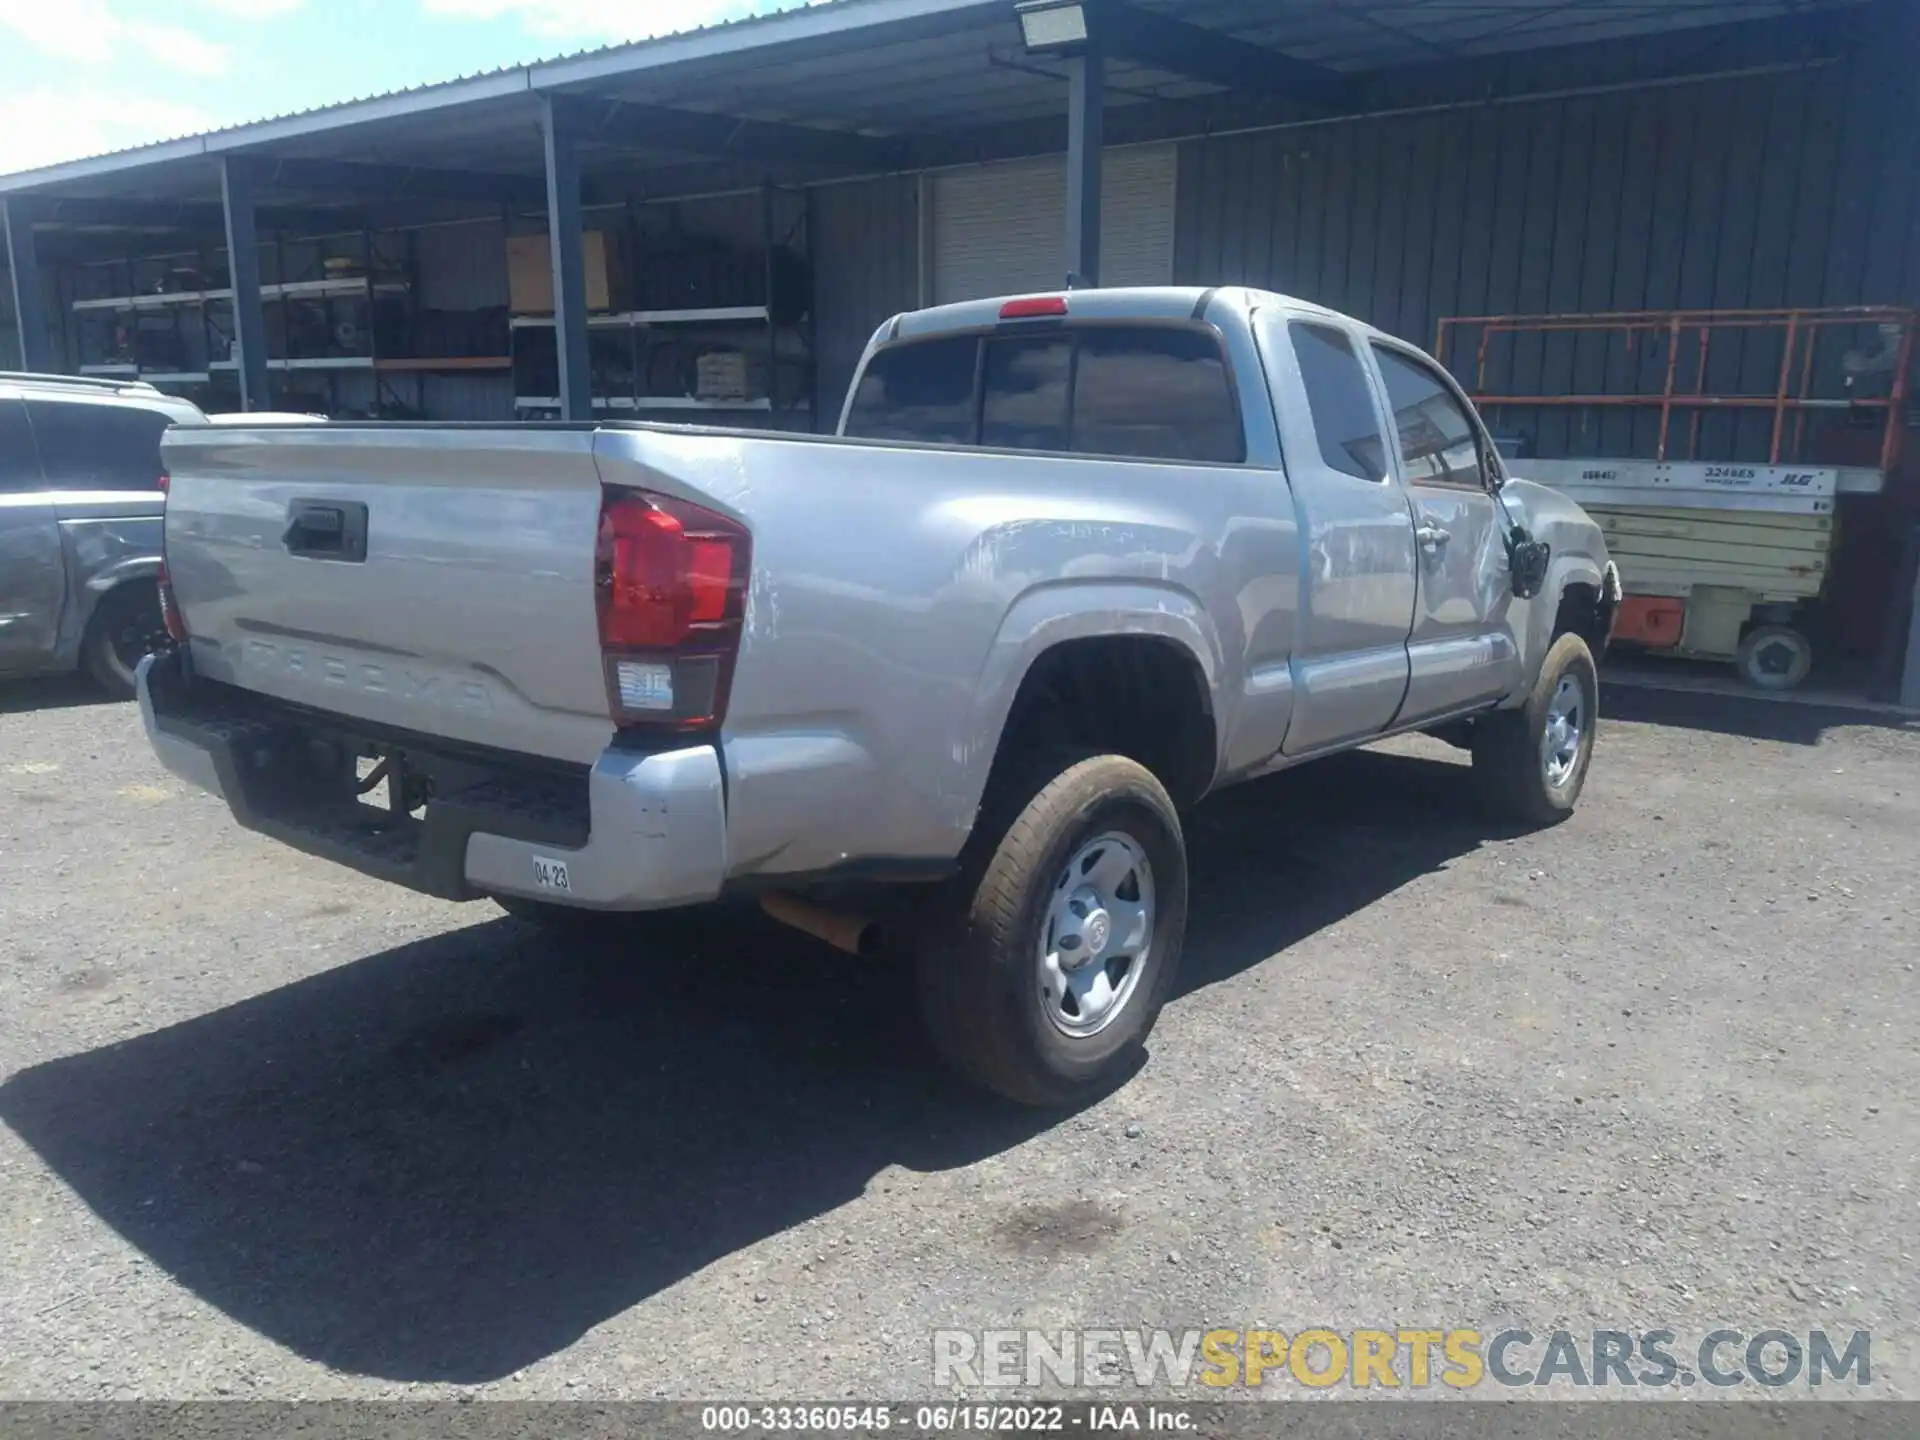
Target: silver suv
[{"x": 80, "y": 508}]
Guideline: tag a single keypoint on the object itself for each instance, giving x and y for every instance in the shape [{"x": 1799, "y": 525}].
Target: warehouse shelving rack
[
  {"x": 776, "y": 329},
  {"x": 356, "y": 306}
]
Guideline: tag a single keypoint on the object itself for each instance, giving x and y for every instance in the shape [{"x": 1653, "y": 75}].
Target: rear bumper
[{"x": 639, "y": 831}]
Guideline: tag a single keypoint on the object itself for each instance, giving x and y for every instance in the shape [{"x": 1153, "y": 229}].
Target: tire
[
  {"x": 125, "y": 627},
  {"x": 1521, "y": 778},
  {"x": 994, "y": 1009},
  {"x": 1774, "y": 657}
]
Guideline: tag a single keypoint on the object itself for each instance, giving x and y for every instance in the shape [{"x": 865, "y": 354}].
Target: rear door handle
[{"x": 1432, "y": 537}]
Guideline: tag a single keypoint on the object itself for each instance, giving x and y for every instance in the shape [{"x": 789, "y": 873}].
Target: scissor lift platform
[{"x": 1720, "y": 560}]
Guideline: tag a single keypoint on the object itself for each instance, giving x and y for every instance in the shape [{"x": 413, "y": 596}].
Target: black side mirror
[{"x": 1527, "y": 560}]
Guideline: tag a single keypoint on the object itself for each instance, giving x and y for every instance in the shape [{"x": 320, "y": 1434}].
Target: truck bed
[{"x": 873, "y": 651}]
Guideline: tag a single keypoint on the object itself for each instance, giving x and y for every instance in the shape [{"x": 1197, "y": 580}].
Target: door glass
[
  {"x": 19, "y": 466},
  {"x": 923, "y": 390},
  {"x": 1024, "y": 401},
  {"x": 1344, "y": 419},
  {"x": 85, "y": 446},
  {"x": 1155, "y": 393},
  {"x": 1437, "y": 441}
]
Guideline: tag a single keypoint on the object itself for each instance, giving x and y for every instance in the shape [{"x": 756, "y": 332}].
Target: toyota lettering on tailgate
[{"x": 467, "y": 697}]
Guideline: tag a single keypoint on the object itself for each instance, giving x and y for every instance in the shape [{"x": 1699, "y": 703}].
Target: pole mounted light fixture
[{"x": 1053, "y": 26}]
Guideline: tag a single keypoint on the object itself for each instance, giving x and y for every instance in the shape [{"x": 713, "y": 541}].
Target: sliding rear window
[{"x": 1134, "y": 392}]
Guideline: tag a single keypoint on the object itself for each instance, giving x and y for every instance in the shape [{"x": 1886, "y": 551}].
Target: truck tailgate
[{"x": 433, "y": 580}]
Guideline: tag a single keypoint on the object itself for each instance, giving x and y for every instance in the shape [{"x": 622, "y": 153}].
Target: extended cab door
[
  {"x": 1357, "y": 591},
  {"x": 32, "y": 575},
  {"x": 1462, "y": 652}
]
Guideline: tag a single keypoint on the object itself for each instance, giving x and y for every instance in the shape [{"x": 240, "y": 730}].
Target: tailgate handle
[{"x": 327, "y": 530}]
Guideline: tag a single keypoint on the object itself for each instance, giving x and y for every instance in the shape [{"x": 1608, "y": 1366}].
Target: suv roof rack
[{"x": 76, "y": 382}]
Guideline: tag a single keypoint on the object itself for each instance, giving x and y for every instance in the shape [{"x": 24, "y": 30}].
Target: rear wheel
[
  {"x": 1045, "y": 976},
  {"x": 1533, "y": 761},
  {"x": 125, "y": 629}
]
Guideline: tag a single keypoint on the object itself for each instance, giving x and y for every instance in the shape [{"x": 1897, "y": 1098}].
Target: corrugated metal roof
[
  {"x": 1361, "y": 35},
  {"x": 946, "y": 64},
  {"x": 518, "y": 70}
]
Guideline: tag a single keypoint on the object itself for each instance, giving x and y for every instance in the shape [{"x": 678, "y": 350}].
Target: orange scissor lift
[{"x": 1723, "y": 525}]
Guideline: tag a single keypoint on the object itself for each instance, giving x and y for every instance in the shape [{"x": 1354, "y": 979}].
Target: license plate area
[{"x": 552, "y": 875}]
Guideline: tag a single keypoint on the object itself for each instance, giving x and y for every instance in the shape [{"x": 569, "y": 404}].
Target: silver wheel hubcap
[
  {"x": 1566, "y": 724},
  {"x": 1099, "y": 928}
]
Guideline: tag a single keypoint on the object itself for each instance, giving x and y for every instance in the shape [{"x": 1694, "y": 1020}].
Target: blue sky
[{"x": 78, "y": 77}]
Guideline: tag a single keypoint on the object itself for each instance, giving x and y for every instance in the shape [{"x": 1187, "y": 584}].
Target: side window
[
  {"x": 1344, "y": 419},
  {"x": 19, "y": 464},
  {"x": 97, "y": 447},
  {"x": 1155, "y": 393},
  {"x": 1023, "y": 403},
  {"x": 922, "y": 390},
  {"x": 1437, "y": 440}
]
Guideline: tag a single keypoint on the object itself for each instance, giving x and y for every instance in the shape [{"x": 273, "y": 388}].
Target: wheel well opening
[
  {"x": 1585, "y": 613},
  {"x": 1137, "y": 696}
]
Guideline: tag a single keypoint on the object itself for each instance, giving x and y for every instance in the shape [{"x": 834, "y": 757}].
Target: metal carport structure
[{"x": 866, "y": 88}]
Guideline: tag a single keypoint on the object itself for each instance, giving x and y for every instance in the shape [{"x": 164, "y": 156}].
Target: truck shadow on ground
[{"x": 450, "y": 1160}]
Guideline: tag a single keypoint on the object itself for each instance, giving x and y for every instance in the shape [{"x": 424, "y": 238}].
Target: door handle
[
  {"x": 326, "y": 530},
  {"x": 1432, "y": 537}
]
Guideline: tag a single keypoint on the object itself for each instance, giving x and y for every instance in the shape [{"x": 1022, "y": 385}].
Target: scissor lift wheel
[{"x": 1775, "y": 657}]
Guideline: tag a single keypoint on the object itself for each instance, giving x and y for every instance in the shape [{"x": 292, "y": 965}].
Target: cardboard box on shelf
[
  {"x": 530, "y": 273},
  {"x": 722, "y": 375}
]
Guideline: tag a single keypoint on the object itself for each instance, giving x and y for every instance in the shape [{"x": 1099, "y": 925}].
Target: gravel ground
[{"x": 272, "y": 1130}]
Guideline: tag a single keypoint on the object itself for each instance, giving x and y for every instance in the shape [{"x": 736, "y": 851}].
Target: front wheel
[
  {"x": 1533, "y": 761},
  {"x": 1043, "y": 982}
]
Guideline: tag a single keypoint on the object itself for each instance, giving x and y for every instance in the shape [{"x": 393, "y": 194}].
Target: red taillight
[
  {"x": 671, "y": 589},
  {"x": 1038, "y": 307},
  {"x": 170, "y": 609}
]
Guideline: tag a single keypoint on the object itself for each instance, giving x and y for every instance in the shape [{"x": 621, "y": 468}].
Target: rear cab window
[
  {"x": 1345, "y": 421},
  {"x": 85, "y": 445},
  {"x": 923, "y": 390},
  {"x": 1139, "y": 392}
]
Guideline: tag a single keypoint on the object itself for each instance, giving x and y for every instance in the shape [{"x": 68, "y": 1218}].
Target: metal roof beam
[
  {"x": 53, "y": 211},
  {"x": 627, "y": 125},
  {"x": 392, "y": 182},
  {"x": 1150, "y": 38}
]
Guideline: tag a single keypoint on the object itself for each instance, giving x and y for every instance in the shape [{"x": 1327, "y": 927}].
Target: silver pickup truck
[{"x": 1071, "y": 563}]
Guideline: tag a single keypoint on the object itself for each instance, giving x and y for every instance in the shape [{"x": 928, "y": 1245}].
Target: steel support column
[
  {"x": 1086, "y": 134},
  {"x": 23, "y": 264},
  {"x": 243, "y": 264},
  {"x": 569, "y": 260}
]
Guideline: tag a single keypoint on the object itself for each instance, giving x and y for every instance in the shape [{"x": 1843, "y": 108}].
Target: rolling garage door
[{"x": 1001, "y": 229}]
